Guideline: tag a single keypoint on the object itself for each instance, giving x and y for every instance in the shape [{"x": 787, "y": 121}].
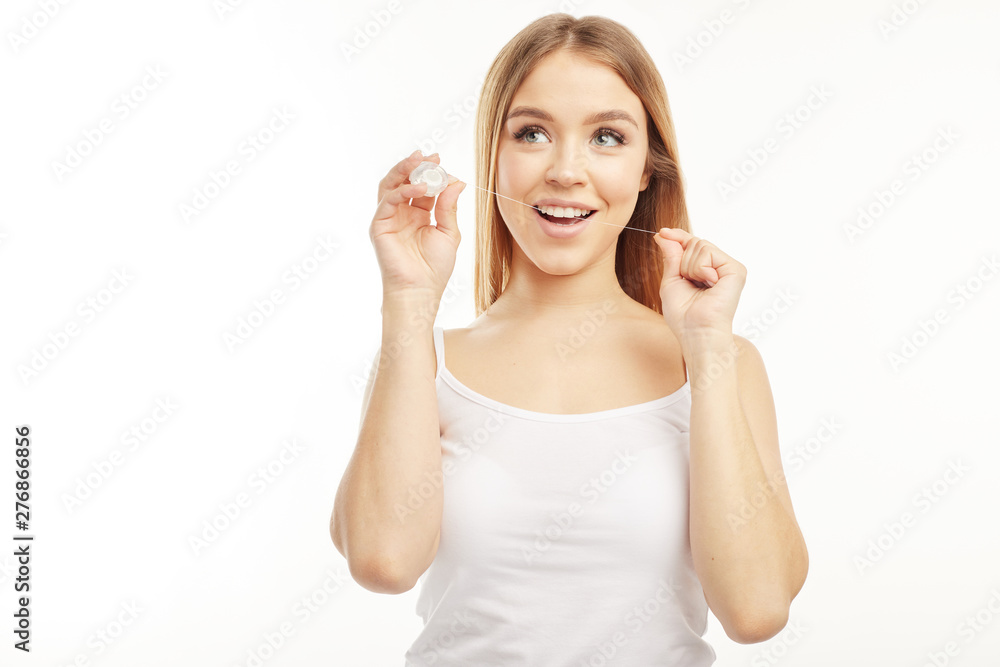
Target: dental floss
[
  {"x": 436, "y": 179},
  {"x": 433, "y": 175},
  {"x": 530, "y": 206}
]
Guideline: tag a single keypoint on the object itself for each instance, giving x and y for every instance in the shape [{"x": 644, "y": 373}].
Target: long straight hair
[{"x": 638, "y": 262}]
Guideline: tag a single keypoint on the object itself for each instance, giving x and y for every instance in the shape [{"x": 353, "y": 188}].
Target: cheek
[
  {"x": 507, "y": 185},
  {"x": 620, "y": 186},
  {"x": 505, "y": 169},
  {"x": 515, "y": 178},
  {"x": 617, "y": 190}
]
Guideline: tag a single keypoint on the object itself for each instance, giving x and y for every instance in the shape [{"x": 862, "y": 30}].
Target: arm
[
  {"x": 747, "y": 548},
  {"x": 388, "y": 533}
]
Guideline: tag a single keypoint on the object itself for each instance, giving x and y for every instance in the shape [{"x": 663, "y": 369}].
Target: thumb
[
  {"x": 671, "y": 251},
  {"x": 446, "y": 209}
]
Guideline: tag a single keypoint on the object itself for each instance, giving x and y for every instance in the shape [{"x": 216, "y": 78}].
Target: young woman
[{"x": 592, "y": 464}]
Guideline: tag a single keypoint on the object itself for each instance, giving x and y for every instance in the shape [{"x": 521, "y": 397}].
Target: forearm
[
  {"x": 746, "y": 546},
  {"x": 384, "y": 521}
]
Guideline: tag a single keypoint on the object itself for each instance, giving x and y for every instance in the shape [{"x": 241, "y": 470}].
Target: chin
[{"x": 553, "y": 266}]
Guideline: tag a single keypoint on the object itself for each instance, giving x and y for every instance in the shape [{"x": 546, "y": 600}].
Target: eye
[
  {"x": 617, "y": 136},
  {"x": 526, "y": 130}
]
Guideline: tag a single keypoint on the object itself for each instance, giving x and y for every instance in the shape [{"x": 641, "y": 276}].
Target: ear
[{"x": 644, "y": 183}]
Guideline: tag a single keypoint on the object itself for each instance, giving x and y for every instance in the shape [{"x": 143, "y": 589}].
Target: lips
[{"x": 560, "y": 231}]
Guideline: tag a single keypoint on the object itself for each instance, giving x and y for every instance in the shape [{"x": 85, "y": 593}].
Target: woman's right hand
[{"x": 412, "y": 254}]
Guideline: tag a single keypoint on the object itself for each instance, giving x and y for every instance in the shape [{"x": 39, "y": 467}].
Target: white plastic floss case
[{"x": 433, "y": 175}]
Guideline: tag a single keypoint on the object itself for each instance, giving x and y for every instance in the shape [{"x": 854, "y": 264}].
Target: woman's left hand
[{"x": 701, "y": 285}]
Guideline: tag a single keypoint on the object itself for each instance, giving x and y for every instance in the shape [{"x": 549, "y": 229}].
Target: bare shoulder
[
  {"x": 649, "y": 327},
  {"x": 752, "y": 373}
]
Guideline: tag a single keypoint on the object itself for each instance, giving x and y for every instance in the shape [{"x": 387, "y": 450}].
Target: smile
[
  {"x": 561, "y": 227},
  {"x": 561, "y": 215}
]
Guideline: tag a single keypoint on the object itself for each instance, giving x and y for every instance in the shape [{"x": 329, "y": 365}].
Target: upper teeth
[{"x": 560, "y": 212}]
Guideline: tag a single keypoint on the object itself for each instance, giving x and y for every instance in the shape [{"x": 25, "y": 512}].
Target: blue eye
[
  {"x": 614, "y": 135},
  {"x": 604, "y": 131},
  {"x": 528, "y": 129}
]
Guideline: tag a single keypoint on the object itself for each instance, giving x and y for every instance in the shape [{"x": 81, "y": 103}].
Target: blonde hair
[{"x": 638, "y": 263}]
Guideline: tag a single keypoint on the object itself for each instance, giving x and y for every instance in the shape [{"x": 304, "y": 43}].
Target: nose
[{"x": 569, "y": 166}]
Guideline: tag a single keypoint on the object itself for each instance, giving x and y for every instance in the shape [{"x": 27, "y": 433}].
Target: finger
[
  {"x": 446, "y": 212},
  {"x": 400, "y": 173},
  {"x": 704, "y": 265},
  {"x": 719, "y": 263},
  {"x": 695, "y": 266},
  {"x": 671, "y": 251},
  {"x": 389, "y": 204},
  {"x": 427, "y": 203},
  {"x": 724, "y": 265},
  {"x": 690, "y": 254},
  {"x": 675, "y": 234}
]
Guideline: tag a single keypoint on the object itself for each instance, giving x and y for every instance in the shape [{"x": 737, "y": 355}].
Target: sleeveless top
[{"x": 564, "y": 537}]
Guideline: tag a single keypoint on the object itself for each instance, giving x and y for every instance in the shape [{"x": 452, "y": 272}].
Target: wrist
[
  {"x": 410, "y": 297},
  {"x": 711, "y": 358},
  {"x": 706, "y": 340},
  {"x": 413, "y": 308}
]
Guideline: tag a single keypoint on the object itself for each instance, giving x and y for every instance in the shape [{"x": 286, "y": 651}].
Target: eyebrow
[{"x": 599, "y": 117}]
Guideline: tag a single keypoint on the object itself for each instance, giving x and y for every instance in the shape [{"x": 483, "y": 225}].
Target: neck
[{"x": 532, "y": 295}]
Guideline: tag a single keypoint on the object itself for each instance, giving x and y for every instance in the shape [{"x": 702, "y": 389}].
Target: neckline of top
[{"x": 524, "y": 413}]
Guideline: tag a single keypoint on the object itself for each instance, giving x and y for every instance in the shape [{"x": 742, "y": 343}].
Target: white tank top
[{"x": 564, "y": 537}]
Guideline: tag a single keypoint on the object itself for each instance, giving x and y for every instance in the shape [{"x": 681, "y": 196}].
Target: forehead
[{"x": 571, "y": 86}]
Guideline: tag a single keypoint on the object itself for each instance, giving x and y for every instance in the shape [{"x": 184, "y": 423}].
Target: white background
[{"x": 846, "y": 304}]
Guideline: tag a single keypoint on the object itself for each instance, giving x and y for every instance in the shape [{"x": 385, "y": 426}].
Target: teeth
[{"x": 561, "y": 212}]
